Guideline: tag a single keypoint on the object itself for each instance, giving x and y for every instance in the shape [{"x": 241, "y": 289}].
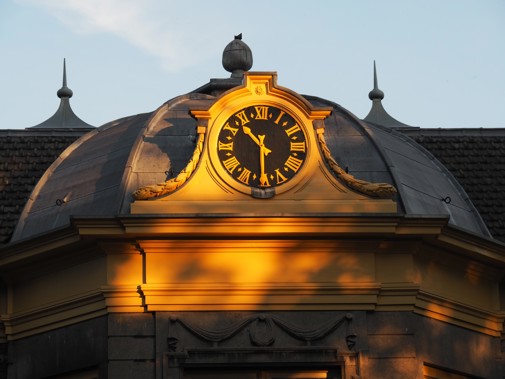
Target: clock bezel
[
  {"x": 286, "y": 127},
  {"x": 220, "y": 121}
]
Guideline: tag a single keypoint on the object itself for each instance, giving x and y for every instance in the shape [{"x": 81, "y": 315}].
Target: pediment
[{"x": 260, "y": 149}]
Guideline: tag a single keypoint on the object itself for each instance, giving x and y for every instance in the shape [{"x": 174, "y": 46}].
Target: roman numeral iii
[{"x": 293, "y": 163}]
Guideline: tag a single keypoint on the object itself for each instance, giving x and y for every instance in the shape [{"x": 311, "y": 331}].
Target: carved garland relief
[{"x": 261, "y": 331}]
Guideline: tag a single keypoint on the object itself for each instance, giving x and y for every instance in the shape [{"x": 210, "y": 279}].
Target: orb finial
[
  {"x": 237, "y": 57},
  {"x": 376, "y": 93},
  {"x": 64, "y": 91}
]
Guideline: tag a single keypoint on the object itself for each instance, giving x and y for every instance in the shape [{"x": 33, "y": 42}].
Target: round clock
[{"x": 261, "y": 146}]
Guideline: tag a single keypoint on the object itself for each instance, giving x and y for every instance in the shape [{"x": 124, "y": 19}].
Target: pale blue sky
[{"x": 440, "y": 63}]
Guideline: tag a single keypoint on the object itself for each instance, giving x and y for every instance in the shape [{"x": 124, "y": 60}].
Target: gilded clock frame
[
  {"x": 293, "y": 165},
  {"x": 260, "y": 89}
]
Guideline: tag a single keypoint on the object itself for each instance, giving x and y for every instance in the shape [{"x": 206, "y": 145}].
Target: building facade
[{"x": 243, "y": 230}]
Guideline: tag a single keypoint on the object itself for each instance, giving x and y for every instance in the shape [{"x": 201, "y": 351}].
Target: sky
[{"x": 441, "y": 64}]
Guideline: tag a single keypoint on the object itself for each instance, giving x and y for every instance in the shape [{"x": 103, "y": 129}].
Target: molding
[
  {"x": 291, "y": 359},
  {"x": 489, "y": 250},
  {"x": 387, "y": 297},
  {"x": 83, "y": 306},
  {"x": 259, "y": 207},
  {"x": 33, "y": 249},
  {"x": 55, "y": 315},
  {"x": 259, "y": 296},
  {"x": 457, "y": 313},
  {"x": 393, "y": 297},
  {"x": 397, "y": 296},
  {"x": 268, "y": 226},
  {"x": 123, "y": 299},
  {"x": 207, "y": 246}
]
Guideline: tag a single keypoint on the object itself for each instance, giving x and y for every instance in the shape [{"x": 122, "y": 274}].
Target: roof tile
[
  {"x": 478, "y": 163},
  {"x": 24, "y": 158}
]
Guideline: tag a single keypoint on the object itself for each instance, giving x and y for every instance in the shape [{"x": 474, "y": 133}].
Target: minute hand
[{"x": 263, "y": 153}]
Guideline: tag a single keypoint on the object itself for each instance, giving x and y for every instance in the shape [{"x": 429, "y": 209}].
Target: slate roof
[
  {"x": 476, "y": 158},
  {"x": 24, "y": 156}
]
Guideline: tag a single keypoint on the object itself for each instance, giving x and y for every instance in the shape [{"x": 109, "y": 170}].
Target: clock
[{"x": 262, "y": 146}]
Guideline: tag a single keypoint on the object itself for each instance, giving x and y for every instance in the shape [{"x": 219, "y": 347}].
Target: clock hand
[
  {"x": 248, "y": 132},
  {"x": 264, "y": 151}
]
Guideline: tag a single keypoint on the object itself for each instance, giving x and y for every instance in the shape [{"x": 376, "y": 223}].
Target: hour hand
[{"x": 248, "y": 132}]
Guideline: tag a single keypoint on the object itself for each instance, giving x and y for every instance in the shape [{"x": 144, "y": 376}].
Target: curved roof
[
  {"x": 380, "y": 154},
  {"x": 97, "y": 175}
]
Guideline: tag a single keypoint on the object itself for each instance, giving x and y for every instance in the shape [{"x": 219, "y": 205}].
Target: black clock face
[{"x": 262, "y": 146}]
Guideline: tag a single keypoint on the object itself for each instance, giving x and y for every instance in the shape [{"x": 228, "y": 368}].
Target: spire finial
[
  {"x": 65, "y": 72},
  {"x": 375, "y": 86},
  {"x": 64, "y": 91},
  {"x": 376, "y": 93},
  {"x": 378, "y": 114}
]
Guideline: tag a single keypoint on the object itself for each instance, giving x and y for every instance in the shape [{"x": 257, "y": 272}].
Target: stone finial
[{"x": 237, "y": 57}]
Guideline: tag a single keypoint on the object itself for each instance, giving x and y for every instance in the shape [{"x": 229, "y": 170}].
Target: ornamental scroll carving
[
  {"x": 380, "y": 190},
  {"x": 261, "y": 330},
  {"x": 160, "y": 189}
]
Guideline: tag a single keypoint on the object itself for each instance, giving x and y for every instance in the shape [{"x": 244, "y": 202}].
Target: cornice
[
  {"x": 85, "y": 230},
  {"x": 33, "y": 249}
]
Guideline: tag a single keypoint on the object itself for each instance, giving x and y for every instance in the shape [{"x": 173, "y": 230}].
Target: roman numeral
[
  {"x": 280, "y": 178},
  {"x": 295, "y": 128},
  {"x": 261, "y": 113},
  {"x": 231, "y": 164},
  {"x": 293, "y": 163},
  {"x": 226, "y": 146},
  {"x": 244, "y": 176},
  {"x": 279, "y": 117},
  {"x": 243, "y": 117},
  {"x": 232, "y": 130},
  {"x": 298, "y": 146}
]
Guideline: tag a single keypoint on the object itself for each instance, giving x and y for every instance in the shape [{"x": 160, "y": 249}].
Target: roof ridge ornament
[
  {"x": 64, "y": 117},
  {"x": 376, "y": 93},
  {"x": 64, "y": 91},
  {"x": 378, "y": 114},
  {"x": 237, "y": 57}
]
